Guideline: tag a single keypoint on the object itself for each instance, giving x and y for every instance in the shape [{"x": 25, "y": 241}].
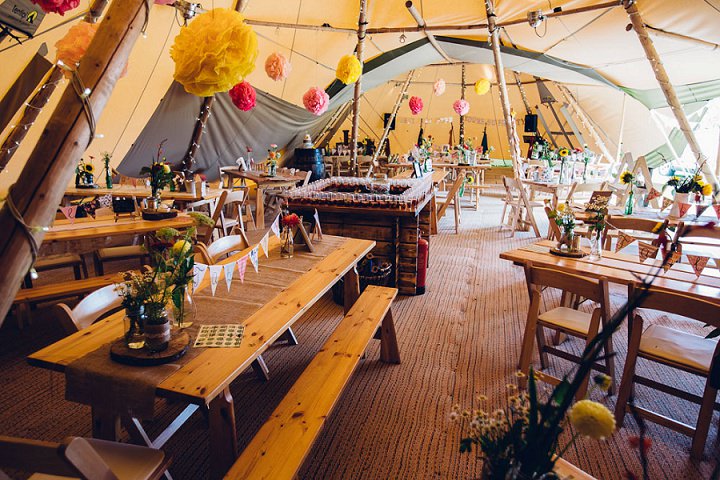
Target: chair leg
[
  {"x": 626, "y": 384},
  {"x": 83, "y": 265},
  {"x": 529, "y": 335},
  {"x": 540, "y": 337},
  {"x": 703, "y": 423},
  {"x": 610, "y": 364}
]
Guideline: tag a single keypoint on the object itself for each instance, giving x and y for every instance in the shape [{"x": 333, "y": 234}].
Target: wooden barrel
[{"x": 310, "y": 159}]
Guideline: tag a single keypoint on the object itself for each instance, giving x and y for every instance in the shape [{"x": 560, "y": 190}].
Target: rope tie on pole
[{"x": 24, "y": 227}]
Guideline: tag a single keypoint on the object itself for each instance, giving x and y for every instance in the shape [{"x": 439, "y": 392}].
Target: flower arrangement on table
[
  {"x": 598, "y": 210},
  {"x": 564, "y": 218},
  {"x": 289, "y": 222},
  {"x": 159, "y": 174},
  {"x": 272, "y": 160},
  {"x": 465, "y": 151},
  {"x": 690, "y": 184},
  {"x": 106, "y": 157},
  {"x": 485, "y": 154},
  {"x": 630, "y": 179},
  {"x": 586, "y": 155},
  {"x": 84, "y": 174}
]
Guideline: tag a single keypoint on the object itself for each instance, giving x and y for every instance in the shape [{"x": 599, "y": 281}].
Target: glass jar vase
[
  {"x": 630, "y": 203},
  {"x": 157, "y": 328},
  {"x": 287, "y": 247},
  {"x": 134, "y": 323}
]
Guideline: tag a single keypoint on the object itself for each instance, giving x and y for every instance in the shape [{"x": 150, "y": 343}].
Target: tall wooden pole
[
  {"x": 669, "y": 91},
  {"x": 461, "y": 135},
  {"x": 189, "y": 161},
  {"x": 48, "y": 170},
  {"x": 362, "y": 28},
  {"x": 504, "y": 99}
]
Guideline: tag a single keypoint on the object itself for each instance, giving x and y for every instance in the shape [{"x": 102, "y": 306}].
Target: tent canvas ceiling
[{"x": 595, "y": 39}]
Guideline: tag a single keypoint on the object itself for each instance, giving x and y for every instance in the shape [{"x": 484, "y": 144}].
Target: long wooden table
[
  {"x": 623, "y": 269},
  {"x": 272, "y": 301},
  {"x": 140, "y": 191},
  {"x": 87, "y": 228}
]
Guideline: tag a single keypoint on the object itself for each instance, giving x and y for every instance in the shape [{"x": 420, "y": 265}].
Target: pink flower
[
  {"x": 57, "y": 6},
  {"x": 416, "y": 105},
  {"x": 277, "y": 66},
  {"x": 439, "y": 87},
  {"x": 243, "y": 96},
  {"x": 461, "y": 107},
  {"x": 316, "y": 101}
]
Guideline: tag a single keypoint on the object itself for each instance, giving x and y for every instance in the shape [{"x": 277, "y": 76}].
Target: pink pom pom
[
  {"x": 164, "y": 2},
  {"x": 316, "y": 100},
  {"x": 243, "y": 96},
  {"x": 277, "y": 66},
  {"x": 416, "y": 105},
  {"x": 57, "y": 6},
  {"x": 461, "y": 107},
  {"x": 439, "y": 87}
]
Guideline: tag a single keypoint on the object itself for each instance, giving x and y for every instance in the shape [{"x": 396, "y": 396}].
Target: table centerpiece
[
  {"x": 569, "y": 243},
  {"x": 683, "y": 187},
  {"x": 160, "y": 176}
]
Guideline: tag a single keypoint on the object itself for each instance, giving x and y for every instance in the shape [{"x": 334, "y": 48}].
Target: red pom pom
[
  {"x": 416, "y": 105},
  {"x": 243, "y": 96},
  {"x": 57, "y": 6}
]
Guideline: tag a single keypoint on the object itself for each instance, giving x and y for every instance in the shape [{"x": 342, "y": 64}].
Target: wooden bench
[{"x": 277, "y": 451}]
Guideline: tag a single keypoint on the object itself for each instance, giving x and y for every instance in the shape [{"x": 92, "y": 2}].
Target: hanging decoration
[
  {"x": 71, "y": 48},
  {"x": 416, "y": 105},
  {"x": 461, "y": 107},
  {"x": 277, "y": 66},
  {"x": 57, "y": 6},
  {"x": 482, "y": 86},
  {"x": 439, "y": 87},
  {"x": 316, "y": 100},
  {"x": 349, "y": 69},
  {"x": 214, "y": 52},
  {"x": 243, "y": 96}
]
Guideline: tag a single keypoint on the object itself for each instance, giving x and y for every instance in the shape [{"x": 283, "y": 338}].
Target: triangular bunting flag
[
  {"x": 317, "y": 231},
  {"x": 69, "y": 212},
  {"x": 242, "y": 266},
  {"x": 198, "y": 273},
  {"x": 645, "y": 251},
  {"x": 264, "y": 245},
  {"x": 623, "y": 240},
  {"x": 700, "y": 209},
  {"x": 275, "y": 227},
  {"x": 652, "y": 194},
  {"x": 672, "y": 259},
  {"x": 214, "y": 277},
  {"x": 666, "y": 203},
  {"x": 716, "y": 206},
  {"x": 683, "y": 209},
  {"x": 229, "y": 270},
  {"x": 254, "y": 258},
  {"x": 698, "y": 263}
]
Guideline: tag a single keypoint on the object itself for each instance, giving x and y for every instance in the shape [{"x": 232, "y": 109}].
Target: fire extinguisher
[{"x": 422, "y": 264}]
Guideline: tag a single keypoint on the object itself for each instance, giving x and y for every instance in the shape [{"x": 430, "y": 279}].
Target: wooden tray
[
  {"x": 142, "y": 357},
  {"x": 148, "y": 214},
  {"x": 564, "y": 253}
]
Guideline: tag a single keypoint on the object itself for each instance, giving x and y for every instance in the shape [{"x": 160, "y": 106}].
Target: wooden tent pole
[
  {"x": 40, "y": 98},
  {"x": 504, "y": 99},
  {"x": 461, "y": 130},
  {"x": 35, "y": 197},
  {"x": 669, "y": 91},
  {"x": 421, "y": 23},
  {"x": 391, "y": 119},
  {"x": 361, "y": 32},
  {"x": 189, "y": 160}
]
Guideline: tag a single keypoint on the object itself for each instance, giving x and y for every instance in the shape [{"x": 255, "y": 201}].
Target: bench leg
[
  {"x": 351, "y": 288},
  {"x": 223, "y": 436},
  {"x": 290, "y": 337},
  {"x": 261, "y": 369},
  {"x": 389, "y": 351}
]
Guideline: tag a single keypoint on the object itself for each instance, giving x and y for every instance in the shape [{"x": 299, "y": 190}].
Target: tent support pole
[
  {"x": 362, "y": 27},
  {"x": 395, "y": 109},
  {"x": 41, "y": 184},
  {"x": 461, "y": 131},
  {"x": 504, "y": 100},
  {"x": 421, "y": 24},
  {"x": 189, "y": 160},
  {"x": 669, "y": 91}
]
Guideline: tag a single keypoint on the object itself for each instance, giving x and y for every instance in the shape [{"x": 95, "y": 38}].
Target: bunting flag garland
[
  {"x": 700, "y": 209},
  {"x": 264, "y": 245},
  {"x": 666, "y": 203},
  {"x": 275, "y": 227},
  {"x": 683, "y": 209},
  {"x": 646, "y": 250},
  {"x": 198, "y": 273},
  {"x": 653, "y": 194},
  {"x": 671, "y": 260},
  {"x": 214, "y": 277},
  {"x": 229, "y": 269},
  {"x": 69, "y": 212},
  {"x": 716, "y": 206},
  {"x": 242, "y": 266},
  {"x": 623, "y": 240},
  {"x": 317, "y": 231},
  {"x": 254, "y": 258},
  {"x": 698, "y": 263}
]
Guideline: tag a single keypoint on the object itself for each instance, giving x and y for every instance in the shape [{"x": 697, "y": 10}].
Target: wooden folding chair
[
  {"x": 677, "y": 349},
  {"x": 566, "y": 320},
  {"x": 222, "y": 247},
  {"x": 451, "y": 198},
  {"x": 236, "y": 214},
  {"x": 214, "y": 209},
  {"x": 517, "y": 206}
]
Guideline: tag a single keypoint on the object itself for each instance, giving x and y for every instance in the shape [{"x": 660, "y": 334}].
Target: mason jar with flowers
[
  {"x": 597, "y": 212},
  {"x": 565, "y": 219},
  {"x": 84, "y": 174},
  {"x": 289, "y": 223},
  {"x": 135, "y": 290},
  {"x": 160, "y": 176}
]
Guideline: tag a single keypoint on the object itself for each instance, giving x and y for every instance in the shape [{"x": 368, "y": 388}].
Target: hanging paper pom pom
[
  {"x": 214, "y": 52},
  {"x": 461, "y": 107},
  {"x": 71, "y": 48},
  {"x": 277, "y": 66},
  {"x": 57, "y": 6},
  {"x": 482, "y": 86},
  {"x": 439, "y": 87},
  {"x": 243, "y": 96},
  {"x": 316, "y": 100},
  {"x": 348, "y": 69},
  {"x": 416, "y": 105}
]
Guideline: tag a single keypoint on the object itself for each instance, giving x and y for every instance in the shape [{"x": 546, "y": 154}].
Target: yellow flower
[
  {"x": 603, "y": 381},
  {"x": 181, "y": 247},
  {"x": 564, "y": 152},
  {"x": 166, "y": 168},
  {"x": 592, "y": 419},
  {"x": 562, "y": 208},
  {"x": 707, "y": 190},
  {"x": 626, "y": 177},
  {"x": 89, "y": 168}
]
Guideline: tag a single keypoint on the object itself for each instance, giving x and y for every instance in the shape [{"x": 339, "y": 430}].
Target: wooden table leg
[
  {"x": 223, "y": 435},
  {"x": 105, "y": 424},
  {"x": 351, "y": 288},
  {"x": 433, "y": 216},
  {"x": 389, "y": 351},
  {"x": 260, "y": 208}
]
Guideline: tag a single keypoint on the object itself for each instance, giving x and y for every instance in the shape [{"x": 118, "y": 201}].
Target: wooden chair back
[
  {"x": 201, "y": 253},
  {"x": 629, "y": 223},
  {"x": 90, "y": 309},
  {"x": 225, "y": 245},
  {"x": 696, "y": 231},
  {"x": 204, "y": 233},
  {"x": 595, "y": 290},
  {"x": 36, "y": 456},
  {"x": 683, "y": 305}
]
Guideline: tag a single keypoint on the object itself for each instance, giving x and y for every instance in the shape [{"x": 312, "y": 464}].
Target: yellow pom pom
[
  {"x": 214, "y": 52},
  {"x": 349, "y": 69},
  {"x": 482, "y": 86},
  {"x": 592, "y": 419}
]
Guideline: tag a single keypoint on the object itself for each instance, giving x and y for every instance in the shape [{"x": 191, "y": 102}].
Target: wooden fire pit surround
[{"x": 360, "y": 208}]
